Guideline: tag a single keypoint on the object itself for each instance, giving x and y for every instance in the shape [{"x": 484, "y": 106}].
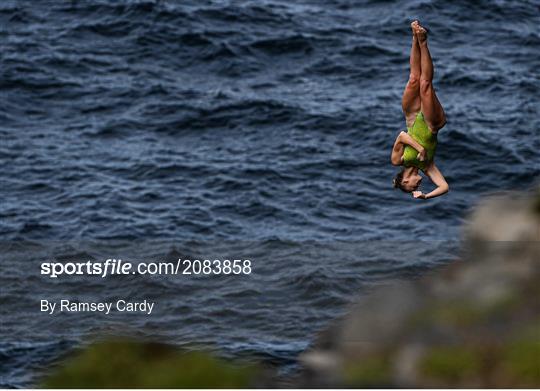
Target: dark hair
[{"x": 397, "y": 181}]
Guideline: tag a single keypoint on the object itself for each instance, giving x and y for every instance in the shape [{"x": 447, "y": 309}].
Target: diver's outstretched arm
[{"x": 433, "y": 172}]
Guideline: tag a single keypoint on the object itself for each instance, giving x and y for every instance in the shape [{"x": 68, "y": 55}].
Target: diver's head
[{"x": 408, "y": 180}]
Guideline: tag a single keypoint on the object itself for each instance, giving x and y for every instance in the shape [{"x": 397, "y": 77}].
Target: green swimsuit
[{"x": 421, "y": 133}]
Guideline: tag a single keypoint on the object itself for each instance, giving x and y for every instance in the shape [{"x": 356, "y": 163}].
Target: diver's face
[{"x": 412, "y": 183}]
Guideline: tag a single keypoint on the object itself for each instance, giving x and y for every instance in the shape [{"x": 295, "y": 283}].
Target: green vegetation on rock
[
  {"x": 130, "y": 364},
  {"x": 521, "y": 362},
  {"x": 464, "y": 313},
  {"x": 520, "y": 358},
  {"x": 368, "y": 372},
  {"x": 450, "y": 365},
  {"x": 510, "y": 364}
]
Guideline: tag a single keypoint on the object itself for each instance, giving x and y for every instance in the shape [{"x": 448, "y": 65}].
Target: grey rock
[{"x": 441, "y": 330}]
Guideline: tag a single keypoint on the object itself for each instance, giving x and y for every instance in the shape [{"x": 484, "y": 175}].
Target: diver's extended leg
[
  {"x": 410, "y": 102},
  {"x": 431, "y": 107}
]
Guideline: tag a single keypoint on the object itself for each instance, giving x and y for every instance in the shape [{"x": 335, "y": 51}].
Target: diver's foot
[
  {"x": 414, "y": 27},
  {"x": 420, "y": 32}
]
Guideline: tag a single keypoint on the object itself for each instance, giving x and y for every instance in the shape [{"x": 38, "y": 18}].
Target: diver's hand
[
  {"x": 421, "y": 155},
  {"x": 419, "y": 194}
]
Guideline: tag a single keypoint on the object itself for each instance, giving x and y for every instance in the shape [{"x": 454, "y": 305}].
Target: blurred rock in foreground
[
  {"x": 131, "y": 364},
  {"x": 475, "y": 323}
]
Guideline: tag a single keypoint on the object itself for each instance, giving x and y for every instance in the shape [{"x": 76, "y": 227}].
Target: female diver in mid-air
[{"x": 424, "y": 115}]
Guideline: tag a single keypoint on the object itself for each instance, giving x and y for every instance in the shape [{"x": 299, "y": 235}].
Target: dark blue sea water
[{"x": 259, "y": 129}]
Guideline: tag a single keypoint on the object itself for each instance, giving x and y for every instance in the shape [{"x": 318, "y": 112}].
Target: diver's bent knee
[
  {"x": 414, "y": 80},
  {"x": 425, "y": 86}
]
